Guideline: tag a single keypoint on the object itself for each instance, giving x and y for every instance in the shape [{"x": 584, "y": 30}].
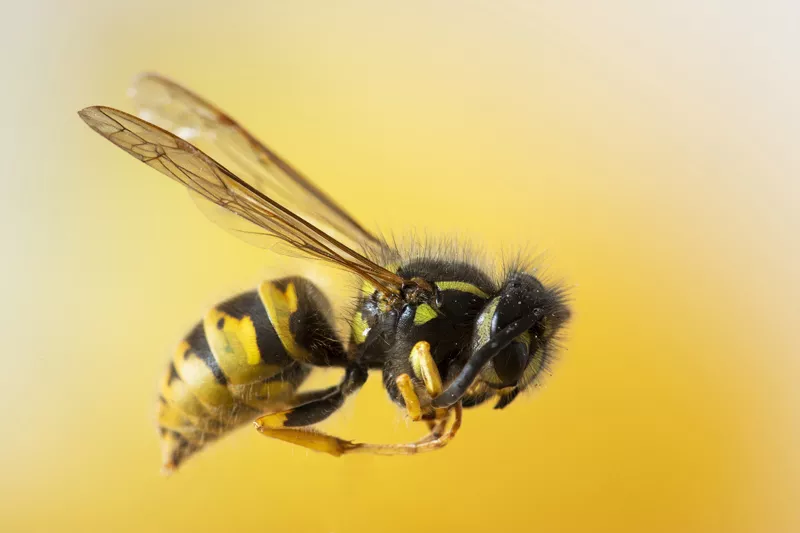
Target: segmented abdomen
[{"x": 248, "y": 355}]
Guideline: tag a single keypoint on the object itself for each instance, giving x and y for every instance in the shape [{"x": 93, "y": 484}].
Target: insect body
[{"x": 444, "y": 334}]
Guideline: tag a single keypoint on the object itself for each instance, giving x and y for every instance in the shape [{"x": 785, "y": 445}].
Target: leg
[
  {"x": 285, "y": 425},
  {"x": 436, "y": 440},
  {"x": 308, "y": 438},
  {"x": 425, "y": 368},
  {"x": 410, "y": 398},
  {"x": 322, "y": 442},
  {"x": 310, "y": 408}
]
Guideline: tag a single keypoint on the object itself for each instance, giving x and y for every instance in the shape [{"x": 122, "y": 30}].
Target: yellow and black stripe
[{"x": 247, "y": 356}]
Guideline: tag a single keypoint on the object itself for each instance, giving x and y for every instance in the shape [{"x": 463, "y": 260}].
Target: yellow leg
[
  {"x": 424, "y": 366},
  {"x": 436, "y": 429},
  {"x": 406, "y": 388},
  {"x": 275, "y": 424},
  {"x": 305, "y": 437},
  {"x": 322, "y": 442},
  {"x": 426, "y": 444}
]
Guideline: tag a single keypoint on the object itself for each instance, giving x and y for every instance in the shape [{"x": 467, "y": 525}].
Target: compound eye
[{"x": 510, "y": 364}]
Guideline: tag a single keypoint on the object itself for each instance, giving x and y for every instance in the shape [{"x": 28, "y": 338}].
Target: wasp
[{"x": 444, "y": 333}]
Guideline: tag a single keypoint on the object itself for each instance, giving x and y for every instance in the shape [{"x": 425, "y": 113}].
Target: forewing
[
  {"x": 186, "y": 164},
  {"x": 180, "y": 111}
]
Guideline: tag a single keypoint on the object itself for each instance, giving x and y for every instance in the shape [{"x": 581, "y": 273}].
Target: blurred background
[{"x": 647, "y": 153}]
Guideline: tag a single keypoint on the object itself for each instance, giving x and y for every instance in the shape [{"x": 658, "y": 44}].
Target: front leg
[{"x": 424, "y": 368}]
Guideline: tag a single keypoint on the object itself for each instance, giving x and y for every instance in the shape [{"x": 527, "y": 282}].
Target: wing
[
  {"x": 186, "y": 164},
  {"x": 187, "y": 115}
]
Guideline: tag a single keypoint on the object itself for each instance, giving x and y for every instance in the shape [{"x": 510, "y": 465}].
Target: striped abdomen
[{"x": 247, "y": 356}]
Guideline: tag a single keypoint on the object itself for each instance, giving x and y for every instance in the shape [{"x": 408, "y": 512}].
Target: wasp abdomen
[{"x": 247, "y": 356}]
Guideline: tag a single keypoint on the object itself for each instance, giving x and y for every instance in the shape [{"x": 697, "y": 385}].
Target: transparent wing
[
  {"x": 176, "y": 109},
  {"x": 183, "y": 162}
]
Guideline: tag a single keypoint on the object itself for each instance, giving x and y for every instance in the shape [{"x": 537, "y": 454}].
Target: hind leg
[{"x": 313, "y": 407}]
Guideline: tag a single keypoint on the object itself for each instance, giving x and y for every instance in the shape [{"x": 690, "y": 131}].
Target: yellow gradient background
[{"x": 648, "y": 152}]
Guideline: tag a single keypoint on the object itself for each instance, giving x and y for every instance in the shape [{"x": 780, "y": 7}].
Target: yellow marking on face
[
  {"x": 424, "y": 314},
  {"x": 280, "y": 306},
  {"x": 360, "y": 328},
  {"x": 462, "y": 286},
  {"x": 484, "y": 328},
  {"x": 484, "y": 323}
]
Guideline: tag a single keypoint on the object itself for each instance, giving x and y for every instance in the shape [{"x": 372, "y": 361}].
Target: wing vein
[{"x": 188, "y": 165}]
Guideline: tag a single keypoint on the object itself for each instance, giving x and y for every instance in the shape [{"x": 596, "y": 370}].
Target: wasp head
[{"x": 512, "y": 339}]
